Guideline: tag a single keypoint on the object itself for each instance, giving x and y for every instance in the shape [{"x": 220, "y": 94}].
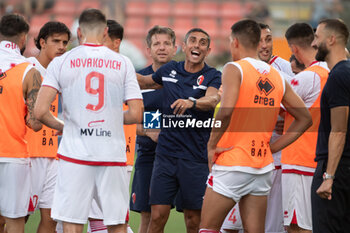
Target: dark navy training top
[
  {"x": 335, "y": 93},
  {"x": 152, "y": 100},
  {"x": 185, "y": 136}
]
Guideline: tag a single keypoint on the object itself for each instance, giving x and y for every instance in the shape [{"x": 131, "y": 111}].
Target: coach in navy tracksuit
[
  {"x": 161, "y": 48},
  {"x": 190, "y": 94}
]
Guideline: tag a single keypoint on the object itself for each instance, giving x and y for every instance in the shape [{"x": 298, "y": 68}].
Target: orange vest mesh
[
  {"x": 253, "y": 119},
  {"x": 302, "y": 152},
  {"x": 43, "y": 143},
  {"x": 12, "y": 113},
  {"x": 130, "y": 139}
]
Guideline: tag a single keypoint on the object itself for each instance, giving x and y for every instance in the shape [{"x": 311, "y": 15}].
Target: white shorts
[
  {"x": 43, "y": 176},
  {"x": 296, "y": 196},
  {"x": 274, "y": 214},
  {"x": 233, "y": 220},
  {"x": 78, "y": 184},
  {"x": 95, "y": 211},
  {"x": 235, "y": 184},
  {"x": 14, "y": 189}
]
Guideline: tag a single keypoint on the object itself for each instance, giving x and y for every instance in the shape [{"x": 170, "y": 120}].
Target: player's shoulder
[{"x": 146, "y": 71}]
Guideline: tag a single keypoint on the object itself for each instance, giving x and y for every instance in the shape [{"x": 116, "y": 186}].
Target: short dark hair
[
  {"x": 13, "y": 25},
  {"x": 197, "y": 30},
  {"x": 160, "y": 30},
  {"x": 297, "y": 63},
  {"x": 50, "y": 28},
  {"x": 248, "y": 32},
  {"x": 300, "y": 34},
  {"x": 264, "y": 26},
  {"x": 115, "y": 30},
  {"x": 91, "y": 17},
  {"x": 338, "y": 26}
]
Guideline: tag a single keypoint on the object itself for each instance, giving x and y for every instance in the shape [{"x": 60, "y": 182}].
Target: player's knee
[{"x": 158, "y": 216}]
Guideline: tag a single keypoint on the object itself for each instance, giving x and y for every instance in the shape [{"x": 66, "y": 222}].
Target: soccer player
[
  {"x": 19, "y": 86},
  {"x": 330, "y": 186},
  {"x": 190, "y": 94},
  {"x": 265, "y": 51},
  {"x": 274, "y": 213},
  {"x": 240, "y": 148},
  {"x": 95, "y": 83},
  {"x": 113, "y": 41},
  {"x": 297, "y": 160},
  {"x": 161, "y": 48},
  {"x": 52, "y": 41}
]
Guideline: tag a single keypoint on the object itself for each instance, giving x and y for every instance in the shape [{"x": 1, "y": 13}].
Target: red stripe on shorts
[
  {"x": 93, "y": 163},
  {"x": 297, "y": 172}
]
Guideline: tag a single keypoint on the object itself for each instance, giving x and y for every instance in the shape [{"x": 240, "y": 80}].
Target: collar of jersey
[{"x": 92, "y": 45}]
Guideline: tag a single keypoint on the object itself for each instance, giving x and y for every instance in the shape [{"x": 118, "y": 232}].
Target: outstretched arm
[{"x": 146, "y": 82}]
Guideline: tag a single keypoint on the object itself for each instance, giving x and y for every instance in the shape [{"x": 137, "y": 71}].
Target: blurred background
[{"x": 215, "y": 17}]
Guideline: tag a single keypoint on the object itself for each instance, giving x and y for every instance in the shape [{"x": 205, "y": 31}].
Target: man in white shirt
[
  {"x": 52, "y": 41},
  {"x": 297, "y": 160},
  {"x": 94, "y": 82}
]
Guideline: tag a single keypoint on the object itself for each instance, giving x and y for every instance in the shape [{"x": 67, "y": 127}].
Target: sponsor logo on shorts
[{"x": 133, "y": 197}]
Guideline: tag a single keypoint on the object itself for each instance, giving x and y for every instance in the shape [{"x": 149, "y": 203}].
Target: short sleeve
[
  {"x": 216, "y": 81},
  {"x": 307, "y": 85},
  {"x": 52, "y": 75},
  {"x": 339, "y": 94},
  {"x": 131, "y": 86},
  {"x": 157, "y": 76}
]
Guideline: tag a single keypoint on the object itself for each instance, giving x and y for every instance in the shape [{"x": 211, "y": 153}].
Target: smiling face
[
  {"x": 162, "y": 50},
  {"x": 196, "y": 47},
  {"x": 55, "y": 45},
  {"x": 320, "y": 44},
  {"x": 265, "y": 45}
]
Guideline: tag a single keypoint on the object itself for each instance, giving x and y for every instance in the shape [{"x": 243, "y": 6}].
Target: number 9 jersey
[{"x": 94, "y": 82}]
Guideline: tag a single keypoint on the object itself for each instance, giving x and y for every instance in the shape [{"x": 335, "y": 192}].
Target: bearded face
[{"x": 322, "y": 52}]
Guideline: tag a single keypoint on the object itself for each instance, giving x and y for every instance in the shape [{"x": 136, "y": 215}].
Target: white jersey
[
  {"x": 286, "y": 71},
  {"x": 281, "y": 65},
  {"x": 94, "y": 82},
  {"x": 37, "y": 65},
  {"x": 307, "y": 84}
]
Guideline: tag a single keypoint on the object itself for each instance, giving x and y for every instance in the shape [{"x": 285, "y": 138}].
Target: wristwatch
[
  {"x": 194, "y": 102},
  {"x": 327, "y": 176}
]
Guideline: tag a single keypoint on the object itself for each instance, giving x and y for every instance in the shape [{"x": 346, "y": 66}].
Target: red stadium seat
[
  {"x": 210, "y": 26},
  {"x": 136, "y": 8},
  {"x": 225, "y": 28},
  {"x": 67, "y": 20},
  {"x": 232, "y": 10},
  {"x": 159, "y": 9},
  {"x": 183, "y": 9},
  {"x": 182, "y": 26},
  {"x": 135, "y": 26},
  {"x": 64, "y": 8},
  {"x": 37, "y": 22},
  {"x": 158, "y": 21},
  {"x": 206, "y": 9},
  {"x": 88, "y": 4}
]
